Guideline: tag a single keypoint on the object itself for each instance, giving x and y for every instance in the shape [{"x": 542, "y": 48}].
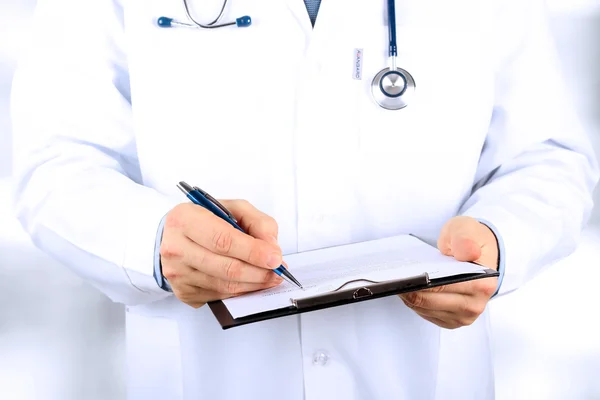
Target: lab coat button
[{"x": 320, "y": 358}]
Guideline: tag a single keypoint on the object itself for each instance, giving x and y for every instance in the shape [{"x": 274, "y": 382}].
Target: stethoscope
[
  {"x": 391, "y": 88},
  {"x": 241, "y": 22}
]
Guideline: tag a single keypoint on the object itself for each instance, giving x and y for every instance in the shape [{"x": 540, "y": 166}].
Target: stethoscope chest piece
[{"x": 393, "y": 89}]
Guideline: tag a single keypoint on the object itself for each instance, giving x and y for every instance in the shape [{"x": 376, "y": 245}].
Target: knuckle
[
  {"x": 408, "y": 298},
  {"x": 478, "y": 309},
  {"x": 172, "y": 221},
  {"x": 266, "y": 276},
  {"x": 233, "y": 270},
  {"x": 170, "y": 274},
  {"x": 221, "y": 286},
  {"x": 406, "y": 302},
  {"x": 473, "y": 309},
  {"x": 232, "y": 288},
  {"x": 191, "y": 298},
  {"x": 415, "y": 299},
  {"x": 437, "y": 289},
  {"x": 465, "y": 321},
  {"x": 488, "y": 289},
  {"x": 198, "y": 260},
  {"x": 181, "y": 295},
  {"x": 222, "y": 242},
  {"x": 169, "y": 250},
  {"x": 419, "y": 300},
  {"x": 175, "y": 218}
]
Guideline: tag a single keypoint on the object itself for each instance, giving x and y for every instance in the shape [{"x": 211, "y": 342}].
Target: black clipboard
[{"x": 369, "y": 291}]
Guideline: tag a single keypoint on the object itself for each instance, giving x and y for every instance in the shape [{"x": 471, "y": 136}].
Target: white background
[{"x": 62, "y": 340}]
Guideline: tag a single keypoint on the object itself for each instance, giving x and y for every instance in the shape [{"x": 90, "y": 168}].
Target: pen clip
[{"x": 216, "y": 203}]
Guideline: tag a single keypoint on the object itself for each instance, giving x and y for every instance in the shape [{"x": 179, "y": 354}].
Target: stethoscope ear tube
[
  {"x": 241, "y": 22},
  {"x": 165, "y": 22}
]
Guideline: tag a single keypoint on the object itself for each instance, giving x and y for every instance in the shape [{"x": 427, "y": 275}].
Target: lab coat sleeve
[
  {"x": 537, "y": 169},
  {"x": 78, "y": 187},
  {"x": 158, "y": 274}
]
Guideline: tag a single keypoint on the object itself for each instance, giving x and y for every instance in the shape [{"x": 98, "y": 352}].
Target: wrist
[
  {"x": 492, "y": 239},
  {"x": 501, "y": 256},
  {"x": 158, "y": 275}
]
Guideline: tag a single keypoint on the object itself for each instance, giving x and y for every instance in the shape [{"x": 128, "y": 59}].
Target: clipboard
[{"x": 341, "y": 296}]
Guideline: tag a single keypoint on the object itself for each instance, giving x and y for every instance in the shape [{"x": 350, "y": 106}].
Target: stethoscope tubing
[
  {"x": 393, "y": 51},
  {"x": 391, "y": 87},
  {"x": 210, "y": 24}
]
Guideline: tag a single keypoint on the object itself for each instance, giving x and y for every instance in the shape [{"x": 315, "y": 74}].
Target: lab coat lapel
[
  {"x": 332, "y": 16},
  {"x": 298, "y": 9}
]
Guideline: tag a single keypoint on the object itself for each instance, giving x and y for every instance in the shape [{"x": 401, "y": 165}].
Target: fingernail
[
  {"x": 273, "y": 240},
  {"x": 274, "y": 260},
  {"x": 276, "y": 279}
]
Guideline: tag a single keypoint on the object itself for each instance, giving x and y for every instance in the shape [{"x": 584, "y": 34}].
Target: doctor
[{"x": 467, "y": 141}]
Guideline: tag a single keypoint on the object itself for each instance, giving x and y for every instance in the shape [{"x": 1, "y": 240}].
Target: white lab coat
[{"x": 272, "y": 114}]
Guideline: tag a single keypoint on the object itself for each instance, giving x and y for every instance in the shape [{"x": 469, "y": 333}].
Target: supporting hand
[{"x": 456, "y": 305}]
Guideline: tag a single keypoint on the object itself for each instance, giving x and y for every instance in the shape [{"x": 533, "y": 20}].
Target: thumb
[
  {"x": 461, "y": 238},
  {"x": 253, "y": 221}
]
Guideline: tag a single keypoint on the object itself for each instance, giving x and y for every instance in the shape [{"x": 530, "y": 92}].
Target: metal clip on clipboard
[{"x": 361, "y": 293}]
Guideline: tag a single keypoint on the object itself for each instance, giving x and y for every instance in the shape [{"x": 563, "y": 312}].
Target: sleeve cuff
[
  {"x": 142, "y": 239},
  {"x": 158, "y": 276},
  {"x": 501, "y": 252}
]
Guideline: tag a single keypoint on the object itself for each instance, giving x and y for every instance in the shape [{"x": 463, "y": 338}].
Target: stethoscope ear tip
[
  {"x": 164, "y": 22},
  {"x": 243, "y": 22}
]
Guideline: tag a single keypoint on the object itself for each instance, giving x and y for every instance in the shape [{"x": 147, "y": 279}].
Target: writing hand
[{"x": 204, "y": 258}]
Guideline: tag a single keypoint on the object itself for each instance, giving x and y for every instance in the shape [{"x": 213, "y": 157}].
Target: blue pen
[{"x": 201, "y": 198}]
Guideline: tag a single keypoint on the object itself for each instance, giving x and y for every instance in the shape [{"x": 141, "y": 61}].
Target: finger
[
  {"x": 452, "y": 302},
  {"x": 218, "y": 236},
  {"x": 461, "y": 237},
  {"x": 182, "y": 251},
  {"x": 450, "y": 320},
  {"x": 204, "y": 281},
  {"x": 425, "y": 312},
  {"x": 197, "y": 297},
  {"x": 223, "y": 267},
  {"x": 442, "y": 318},
  {"x": 484, "y": 288},
  {"x": 465, "y": 288},
  {"x": 253, "y": 221},
  {"x": 440, "y": 322},
  {"x": 464, "y": 308},
  {"x": 464, "y": 248}
]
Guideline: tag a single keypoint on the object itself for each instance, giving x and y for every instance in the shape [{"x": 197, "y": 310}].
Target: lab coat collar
[{"x": 298, "y": 9}]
